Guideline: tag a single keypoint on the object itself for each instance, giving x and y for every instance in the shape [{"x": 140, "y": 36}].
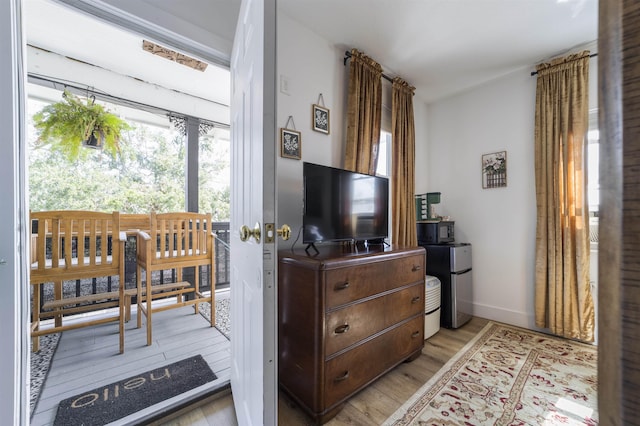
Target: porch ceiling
[{"x": 69, "y": 45}]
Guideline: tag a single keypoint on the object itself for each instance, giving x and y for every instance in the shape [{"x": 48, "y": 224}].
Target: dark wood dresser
[{"x": 345, "y": 318}]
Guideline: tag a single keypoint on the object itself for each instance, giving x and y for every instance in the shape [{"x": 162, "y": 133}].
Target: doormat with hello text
[{"x": 117, "y": 400}]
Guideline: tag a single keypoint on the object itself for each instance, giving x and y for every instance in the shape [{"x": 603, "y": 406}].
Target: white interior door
[{"x": 253, "y": 306}]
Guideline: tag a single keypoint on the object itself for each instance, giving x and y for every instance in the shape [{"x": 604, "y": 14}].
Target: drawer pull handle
[
  {"x": 342, "y": 329},
  {"x": 416, "y": 268},
  {"x": 342, "y": 286},
  {"x": 415, "y": 334},
  {"x": 344, "y": 376},
  {"x": 415, "y": 299}
]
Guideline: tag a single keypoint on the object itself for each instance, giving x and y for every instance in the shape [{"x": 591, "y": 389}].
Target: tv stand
[
  {"x": 313, "y": 246},
  {"x": 345, "y": 318}
]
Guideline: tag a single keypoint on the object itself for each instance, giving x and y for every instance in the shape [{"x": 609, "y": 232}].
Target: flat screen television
[{"x": 340, "y": 205}]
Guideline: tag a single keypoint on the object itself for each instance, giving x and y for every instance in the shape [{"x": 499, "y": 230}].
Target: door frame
[
  {"x": 14, "y": 300},
  {"x": 14, "y": 311}
]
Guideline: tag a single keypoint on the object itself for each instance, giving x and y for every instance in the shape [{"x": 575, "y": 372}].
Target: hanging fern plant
[{"x": 72, "y": 123}]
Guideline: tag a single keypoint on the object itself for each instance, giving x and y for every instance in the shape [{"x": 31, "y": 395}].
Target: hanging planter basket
[
  {"x": 71, "y": 124},
  {"x": 94, "y": 142}
]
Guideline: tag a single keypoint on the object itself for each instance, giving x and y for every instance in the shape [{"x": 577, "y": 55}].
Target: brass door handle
[
  {"x": 284, "y": 232},
  {"x": 246, "y": 232}
]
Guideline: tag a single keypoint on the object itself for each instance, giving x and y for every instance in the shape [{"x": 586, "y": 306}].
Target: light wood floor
[{"x": 371, "y": 406}]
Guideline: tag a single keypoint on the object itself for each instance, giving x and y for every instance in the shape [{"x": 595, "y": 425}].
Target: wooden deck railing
[{"x": 128, "y": 221}]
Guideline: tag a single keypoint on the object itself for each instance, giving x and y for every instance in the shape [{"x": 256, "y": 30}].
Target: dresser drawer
[
  {"x": 344, "y": 285},
  {"x": 348, "y": 325},
  {"x": 404, "y": 304},
  {"x": 350, "y": 371}
]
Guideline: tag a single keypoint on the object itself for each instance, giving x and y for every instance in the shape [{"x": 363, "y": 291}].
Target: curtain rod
[
  {"x": 347, "y": 55},
  {"x": 536, "y": 72}
]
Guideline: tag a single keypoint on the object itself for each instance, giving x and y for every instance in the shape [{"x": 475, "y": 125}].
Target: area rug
[
  {"x": 117, "y": 400},
  {"x": 509, "y": 376},
  {"x": 40, "y": 364},
  {"x": 223, "y": 317}
]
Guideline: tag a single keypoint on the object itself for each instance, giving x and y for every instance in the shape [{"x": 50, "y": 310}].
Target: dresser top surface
[{"x": 339, "y": 255}]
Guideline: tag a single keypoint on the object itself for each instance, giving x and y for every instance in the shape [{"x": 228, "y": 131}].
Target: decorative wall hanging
[
  {"x": 320, "y": 116},
  {"x": 290, "y": 141},
  {"x": 494, "y": 170}
]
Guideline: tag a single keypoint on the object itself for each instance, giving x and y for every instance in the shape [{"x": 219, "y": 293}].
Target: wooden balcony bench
[
  {"x": 175, "y": 241},
  {"x": 75, "y": 245}
]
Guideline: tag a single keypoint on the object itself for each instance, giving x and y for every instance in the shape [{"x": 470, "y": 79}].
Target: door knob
[
  {"x": 284, "y": 232},
  {"x": 246, "y": 232}
]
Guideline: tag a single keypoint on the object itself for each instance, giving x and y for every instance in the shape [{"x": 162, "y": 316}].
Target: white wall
[
  {"x": 422, "y": 126},
  {"x": 311, "y": 66},
  {"x": 501, "y": 222}
]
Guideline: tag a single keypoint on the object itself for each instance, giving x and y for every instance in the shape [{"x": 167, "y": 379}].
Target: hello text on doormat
[{"x": 117, "y": 400}]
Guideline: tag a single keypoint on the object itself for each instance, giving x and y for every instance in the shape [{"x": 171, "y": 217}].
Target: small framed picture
[
  {"x": 290, "y": 144},
  {"x": 494, "y": 170},
  {"x": 320, "y": 119}
]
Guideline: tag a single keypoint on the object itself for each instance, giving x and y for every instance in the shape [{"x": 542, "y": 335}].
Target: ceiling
[
  {"x": 441, "y": 47},
  {"x": 61, "y": 40}
]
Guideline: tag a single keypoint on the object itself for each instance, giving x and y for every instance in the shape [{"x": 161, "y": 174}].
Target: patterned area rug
[
  {"x": 223, "y": 317},
  {"x": 509, "y": 376},
  {"x": 40, "y": 362}
]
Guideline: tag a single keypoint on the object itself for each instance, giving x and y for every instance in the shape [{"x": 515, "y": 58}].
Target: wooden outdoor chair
[
  {"x": 75, "y": 245},
  {"x": 174, "y": 241}
]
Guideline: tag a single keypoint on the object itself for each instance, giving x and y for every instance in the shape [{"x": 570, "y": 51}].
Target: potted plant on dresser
[{"x": 73, "y": 123}]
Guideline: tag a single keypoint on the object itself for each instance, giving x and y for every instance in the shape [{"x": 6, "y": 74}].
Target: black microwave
[{"x": 435, "y": 232}]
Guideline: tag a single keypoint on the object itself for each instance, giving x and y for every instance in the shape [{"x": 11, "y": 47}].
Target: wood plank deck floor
[{"x": 88, "y": 358}]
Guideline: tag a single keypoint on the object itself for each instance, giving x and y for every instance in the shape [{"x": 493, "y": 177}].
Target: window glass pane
[
  {"x": 593, "y": 162},
  {"x": 384, "y": 167},
  {"x": 384, "y": 155},
  {"x": 593, "y": 176}
]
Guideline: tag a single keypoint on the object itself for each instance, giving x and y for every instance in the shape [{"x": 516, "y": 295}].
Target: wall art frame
[
  {"x": 320, "y": 119},
  {"x": 290, "y": 143},
  {"x": 494, "y": 170}
]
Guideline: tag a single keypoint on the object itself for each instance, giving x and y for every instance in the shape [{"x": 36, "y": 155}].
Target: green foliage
[
  {"x": 148, "y": 174},
  {"x": 65, "y": 125}
]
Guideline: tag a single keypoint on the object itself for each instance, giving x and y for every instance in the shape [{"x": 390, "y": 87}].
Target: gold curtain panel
[
  {"x": 563, "y": 299},
  {"x": 403, "y": 169},
  {"x": 364, "y": 109}
]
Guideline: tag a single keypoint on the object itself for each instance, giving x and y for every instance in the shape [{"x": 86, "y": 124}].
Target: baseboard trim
[{"x": 507, "y": 316}]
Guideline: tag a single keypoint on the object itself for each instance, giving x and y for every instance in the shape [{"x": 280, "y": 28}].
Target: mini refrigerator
[{"x": 451, "y": 263}]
